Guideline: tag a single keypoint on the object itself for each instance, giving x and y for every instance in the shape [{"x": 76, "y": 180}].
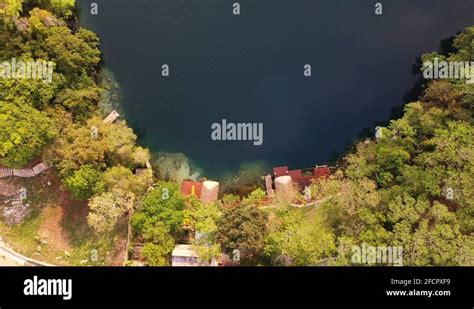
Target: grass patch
[{"x": 23, "y": 235}]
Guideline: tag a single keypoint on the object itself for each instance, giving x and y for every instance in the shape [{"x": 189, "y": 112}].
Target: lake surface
[{"x": 249, "y": 68}]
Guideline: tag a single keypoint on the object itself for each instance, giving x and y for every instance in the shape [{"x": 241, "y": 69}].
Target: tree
[
  {"x": 73, "y": 53},
  {"x": 243, "y": 228},
  {"x": 442, "y": 94},
  {"x": 141, "y": 156},
  {"x": 158, "y": 244},
  {"x": 120, "y": 141},
  {"x": 122, "y": 178},
  {"x": 24, "y": 132},
  {"x": 157, "y": 221},
  {"x": 107, "y": 208},
  {"x": 96, "y": 143},
  {"x": 156, "y": 255},
  {"x": 425, "y": 118},
  {"x": 12, "y": 8},
  {"x": 33, "y": 92},
  {"x": 255, "y": 198},
  {"x": 230, "y": 200},
  {"x": 12, "y": 41},
  {"x": 300, "y": 238},
  {"x": 40, "y": 21},
  {"x": 429, "y": 234},
  {"x": 426, "y": 151},
  {"x": 84, "y": 183},
  {"x": 203, "y": 218},
  {"x": 450, "y": 164},
  {"x": 361, "y": 163},
  {"x": 80, "y": 103},
  {"x": 63, "y": 7},
  {"x": 207, "y": 252},
  {"x": 453, "y": 147},
  {"x": 463, "y": 44},
  {"x": 162, "y": 204},
  {"x": 77, "y": 146}
]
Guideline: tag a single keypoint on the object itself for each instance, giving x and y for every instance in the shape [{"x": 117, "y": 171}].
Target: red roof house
[
  {"x": 205, "y": 191},
  {"x": 321, "y": 171},
  {"x": 295, "y": 174},
  {"x": 280, "y": 171},
  {"x": 304, "y": 177},
  {"x": 191, "y": 188}
]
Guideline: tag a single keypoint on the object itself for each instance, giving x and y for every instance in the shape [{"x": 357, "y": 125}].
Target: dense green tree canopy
[
  {"x": 158, "y": 244},
  {"x": 162, "y": 204},
  {"x": 24, "y": 131},
  {"x": 84, "y": 183},
  {"x": 243, "y": 228},
  {"x": 123, "y": 178},
  {"x": 95, "y": 143},
  {"x": 300, "y": 238},
  {"x": 393, "y": 190},
  {"x": 106, "y": 209}
]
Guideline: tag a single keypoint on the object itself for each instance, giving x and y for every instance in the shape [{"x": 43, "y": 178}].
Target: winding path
[{"x": 24, "y": 173}]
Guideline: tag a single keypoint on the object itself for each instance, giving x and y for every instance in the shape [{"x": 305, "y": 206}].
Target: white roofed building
[{"x": 185, "y": 255}]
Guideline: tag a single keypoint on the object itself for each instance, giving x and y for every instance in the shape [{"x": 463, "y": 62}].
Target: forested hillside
[{"x": 412, "y": 186}]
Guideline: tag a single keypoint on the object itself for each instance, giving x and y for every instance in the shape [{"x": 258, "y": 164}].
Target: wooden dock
[{"x": 111, "y": 117}]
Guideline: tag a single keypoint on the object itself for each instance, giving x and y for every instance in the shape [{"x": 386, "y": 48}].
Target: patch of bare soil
[
  {"x": 51, "y": 230},
  {"x": 118, "y": 255}
]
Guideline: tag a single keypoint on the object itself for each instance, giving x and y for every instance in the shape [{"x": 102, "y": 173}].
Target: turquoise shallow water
[{"x": 249, "y": 68}]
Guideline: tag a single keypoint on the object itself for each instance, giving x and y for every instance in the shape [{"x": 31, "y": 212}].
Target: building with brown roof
[
  {"x": 302, "y": 177},
  {"x": 189, "y": 187},
  {"x": 206, "y": 191}
]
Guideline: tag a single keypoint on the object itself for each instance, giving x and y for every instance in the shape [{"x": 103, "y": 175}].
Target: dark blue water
[{"x": 249, "y": 68}]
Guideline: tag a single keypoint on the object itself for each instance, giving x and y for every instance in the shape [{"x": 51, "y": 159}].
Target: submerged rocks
[
  {"x": 175, "y": 167},
  {"x": 111, "y": 92}
]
